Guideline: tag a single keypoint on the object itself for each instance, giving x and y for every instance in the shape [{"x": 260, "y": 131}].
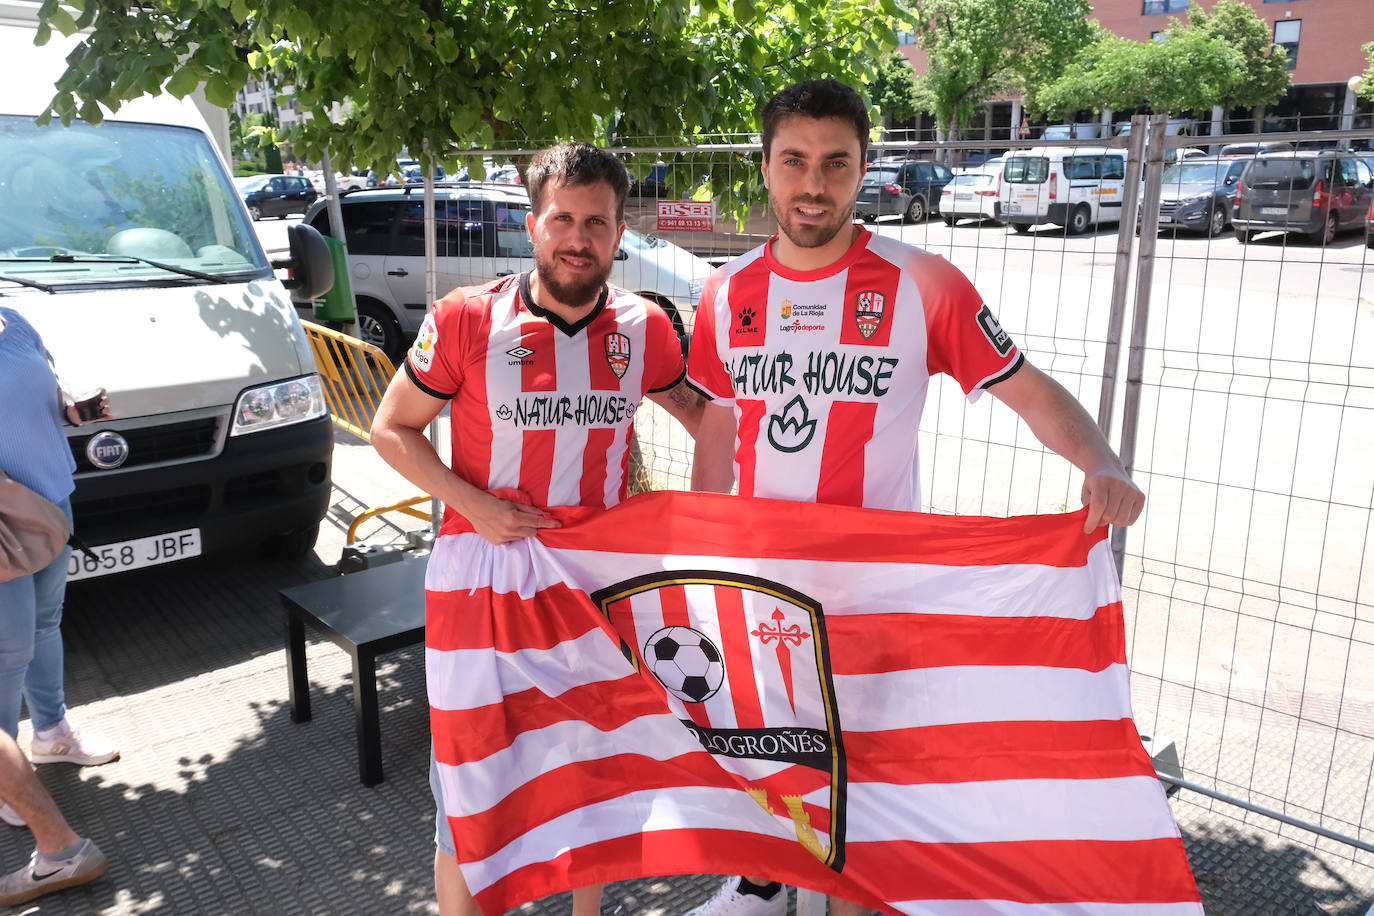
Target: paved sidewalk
[{"x": 222, "y": 805}]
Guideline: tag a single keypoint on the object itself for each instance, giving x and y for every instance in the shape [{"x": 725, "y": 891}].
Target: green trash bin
[{"x": 337, "y": 304}]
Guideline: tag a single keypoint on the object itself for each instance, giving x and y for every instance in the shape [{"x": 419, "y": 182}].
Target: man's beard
[
  {"x": 572, "y": 292},
  {"x": 811, "y": 236}
]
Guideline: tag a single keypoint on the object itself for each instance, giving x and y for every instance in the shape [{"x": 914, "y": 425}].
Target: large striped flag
[{"x": 921, "y": 714}]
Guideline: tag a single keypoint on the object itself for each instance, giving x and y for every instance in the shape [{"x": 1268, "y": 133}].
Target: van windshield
[{"x": 79, "y": 203}]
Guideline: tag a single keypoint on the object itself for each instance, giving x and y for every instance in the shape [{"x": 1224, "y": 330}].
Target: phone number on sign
[{"x": 133, "y": 554}]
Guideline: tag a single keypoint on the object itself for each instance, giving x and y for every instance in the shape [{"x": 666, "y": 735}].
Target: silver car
[
  {"x": 1197, "y": 194},
  {"x": 481, "y": 236}
]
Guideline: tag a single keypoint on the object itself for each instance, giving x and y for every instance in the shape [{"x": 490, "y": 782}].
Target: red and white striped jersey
[
  {"x": 538, "y": 404},
  {"x": 827, "y": 370}
]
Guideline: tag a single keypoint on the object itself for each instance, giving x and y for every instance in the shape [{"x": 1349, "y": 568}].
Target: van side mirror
[{"x": 310, "y": 263}]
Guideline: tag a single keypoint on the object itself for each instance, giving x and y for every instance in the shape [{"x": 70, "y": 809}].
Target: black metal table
[{"x": 365, "y": 613}]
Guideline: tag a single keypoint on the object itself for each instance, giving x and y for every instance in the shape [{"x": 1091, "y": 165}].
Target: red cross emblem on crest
[
  {"x": 784, "y": 635},
  {"x": 618, "y": 353},
  {"x": 868, "y": 312}
]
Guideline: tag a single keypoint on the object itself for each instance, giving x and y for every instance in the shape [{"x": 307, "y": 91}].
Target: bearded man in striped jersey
[
  {"x": 542, "y": 374},
  {"x": 816, "y": 350}
]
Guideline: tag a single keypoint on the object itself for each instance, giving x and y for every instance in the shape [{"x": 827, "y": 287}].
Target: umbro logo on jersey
[
  {"x": 522, "y": 356},
  {"x": 618, "y": 353},
  {"x": 1000, "y": 339},
  {"x": 868, "y": 312}
]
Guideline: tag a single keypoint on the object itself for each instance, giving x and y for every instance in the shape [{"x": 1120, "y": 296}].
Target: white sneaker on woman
[{"x": 64, "y": 744}]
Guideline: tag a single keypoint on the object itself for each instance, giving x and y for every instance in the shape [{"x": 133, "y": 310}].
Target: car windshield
[
  {"x": 640, "y": 242},
  {"x": 880, "y": 176},
  {"x": 1196, "y": 173},
  {"x": 251, "y": 183},
  {"x": 78, "y": 203}
]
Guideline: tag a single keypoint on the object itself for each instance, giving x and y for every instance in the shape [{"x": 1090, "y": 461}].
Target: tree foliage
[
  {"x": 1366, "y": 90},
  {"x": 978, "y": 48},
  {"x": 454, "y": 75},
  {"x": 897, "y": 92},
  {"x": 1225, "y": 57}
]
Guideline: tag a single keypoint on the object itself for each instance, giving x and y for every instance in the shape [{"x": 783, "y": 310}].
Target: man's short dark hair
[
  {"x": 825, "y": 98},
  {"x": 577, "y": 164}
]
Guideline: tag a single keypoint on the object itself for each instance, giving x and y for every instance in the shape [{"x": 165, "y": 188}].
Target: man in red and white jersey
[
  {"x": 543, "y": 374},
  {"x": 816, "y": 350}
]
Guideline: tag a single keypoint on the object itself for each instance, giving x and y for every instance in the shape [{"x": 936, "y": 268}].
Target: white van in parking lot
[
  {"x": 481, "y": 236},
  {"x": 1073, "y": 187},
  {"x": 127, "y": 247}
]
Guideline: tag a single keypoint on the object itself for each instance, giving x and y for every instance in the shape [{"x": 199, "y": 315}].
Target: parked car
[
  {"x": 1198, "y": 194},
  {"x": 1254, "y": 149},
  {"x": 279, "y": 195},
  {"x": 1369, "y": 227},
  {"x": 971, "y": 195},
  {"x": 481, "y": 235},
  {"x": 1314, "y": 192},
  {"x": 909, "y": 187},
  {"x": 1073, "y": 187}
]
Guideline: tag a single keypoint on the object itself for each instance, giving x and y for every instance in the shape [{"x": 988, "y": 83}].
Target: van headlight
[
  {"x": 279, "y": 404},
  {"x": 694, "y": 290}
]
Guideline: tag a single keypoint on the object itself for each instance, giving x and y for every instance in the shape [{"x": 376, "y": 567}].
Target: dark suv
[
  {"x": 1314, "y": 192},
  {"x": 910, "y": 187}
]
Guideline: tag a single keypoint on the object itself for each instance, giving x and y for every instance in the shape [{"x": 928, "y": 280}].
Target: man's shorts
[{"x": 443, "y": 836}]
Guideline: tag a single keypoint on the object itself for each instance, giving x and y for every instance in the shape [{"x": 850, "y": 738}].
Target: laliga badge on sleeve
[{"x": 422, "y": 352}]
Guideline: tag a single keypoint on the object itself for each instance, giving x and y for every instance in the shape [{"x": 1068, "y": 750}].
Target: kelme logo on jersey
[
  {"x": 746, "y": 328},
  {"x": 868, "y": 312},
  {"x": 792, "y": 430},
  {"x": 618, "y": 353},
  {"x": 422, "y": 351},
  {"x": 1000, "y": 340}
]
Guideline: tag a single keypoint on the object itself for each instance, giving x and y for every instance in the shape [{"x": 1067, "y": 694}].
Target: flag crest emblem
[
  {"x": 618, "y": 353},
  {"x": 745, "y": 665},
  {"x": 868, "y": 312}
]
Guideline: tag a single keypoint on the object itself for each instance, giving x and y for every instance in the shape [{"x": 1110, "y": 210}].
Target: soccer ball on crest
[{"x": 685, "y": 662}]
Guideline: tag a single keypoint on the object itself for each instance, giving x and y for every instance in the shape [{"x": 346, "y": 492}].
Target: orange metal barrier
[{"x": 355, "y": 375}]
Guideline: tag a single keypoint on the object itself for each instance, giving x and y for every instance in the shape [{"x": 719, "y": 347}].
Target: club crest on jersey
[
  {"x": 868, "y": 312},
  {"x": 744, "y": 664},
  {"x": 618, "y": 353}
]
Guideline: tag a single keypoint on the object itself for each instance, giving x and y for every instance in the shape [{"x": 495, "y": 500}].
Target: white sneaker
[
  {"x": 728, "y": 901},
  {"x": 64, "y": 744},
  {"x": 11, "y": 817},
  {"x": 27, "y": 883}
]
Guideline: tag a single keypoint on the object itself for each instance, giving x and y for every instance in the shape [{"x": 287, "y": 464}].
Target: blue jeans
[{"x": 31, "y": 644}]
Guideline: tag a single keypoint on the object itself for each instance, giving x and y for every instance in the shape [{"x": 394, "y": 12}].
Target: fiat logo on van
[{"x": 107, "y": 450}]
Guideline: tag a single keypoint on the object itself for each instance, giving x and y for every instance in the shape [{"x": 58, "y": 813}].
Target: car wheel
[
  {"x": 1244, "y": 236},
  {"x": 1079, "y": 220},
  {"x": 869, "y": 218},
  {"x": 377, "y": 326},
  {"x": 916, "y": 210},
  {"x": 949, "y": 220},
  {"x": 1327, "y": 233},
  {"x": 293, "y": 544},
  {"x": 255, "y": 211},
  {"x": 1369, "y": 239},
  {"x": 1022, "y": 228},
  {"x": 1216, "y": 222}
]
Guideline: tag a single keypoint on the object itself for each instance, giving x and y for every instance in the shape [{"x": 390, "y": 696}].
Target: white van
[
  {"x": 1073, "y": 187},
  {"x": 127, "y": 246},
  {"x": 480, "y": 236}
]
